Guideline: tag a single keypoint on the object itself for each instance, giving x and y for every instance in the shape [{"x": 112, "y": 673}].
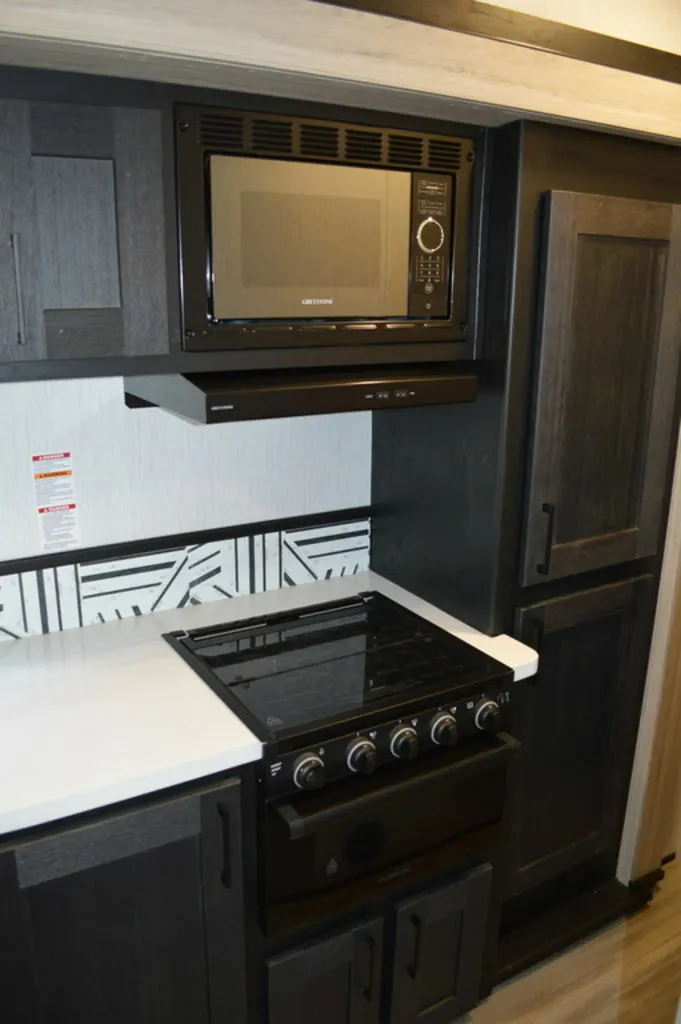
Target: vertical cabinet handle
[
  {"x": 15, "y": 243},
  {"x": 226, "y": 873},
  {"x": 368, "y": 986},
  {"x": 413, "y": 968},
  {"x": 550, "y": 511}
]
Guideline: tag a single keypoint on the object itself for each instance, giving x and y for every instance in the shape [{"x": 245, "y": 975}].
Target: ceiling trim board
[{"x": 491, "y": 22}]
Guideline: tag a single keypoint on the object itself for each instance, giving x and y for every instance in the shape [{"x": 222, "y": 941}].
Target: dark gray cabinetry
[
  {"x": 428, "y": 970},
  {"x": 609, "y": 356},
  {"x": 83, "y": 269},
  {"x": 439, "y": 945},
  {"x": 133, "y": 918},
  {"x": 336, "y": 980},
  {"x": 577, "y": 724}
]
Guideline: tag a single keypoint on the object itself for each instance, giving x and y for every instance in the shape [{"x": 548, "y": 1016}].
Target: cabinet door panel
[
  {"x": 336, "y": 980},
  {"x": 114, "y": 920},
  {"x": 82, "y": 233},
  {"x": 439, "y": 949},
  {"x": 22, "y": 335},
  {"x": 576, "y": 721},
  {"x": 141, "y": 229},
  {"x": 76, "y": 209},
  {"x": 607, "y": 381}
]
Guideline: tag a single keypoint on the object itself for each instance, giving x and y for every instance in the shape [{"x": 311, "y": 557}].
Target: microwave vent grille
[
  {"x": 320, "y": 140},
  {"x": 364, "y": 147},
  {"x": 220, "y": 131},
  {"x": 406, "y": 150},
  {"x": 245, "y": 132},
  {"x": 272, "y": 136},
  {"x": 444, "y": 155}
]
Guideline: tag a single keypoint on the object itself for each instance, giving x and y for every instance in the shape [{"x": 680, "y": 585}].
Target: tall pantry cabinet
[{"x": 556, "y": 482}]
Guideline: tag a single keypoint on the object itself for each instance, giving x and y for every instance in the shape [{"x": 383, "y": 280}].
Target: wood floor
[{"x": 629, "y": 973}]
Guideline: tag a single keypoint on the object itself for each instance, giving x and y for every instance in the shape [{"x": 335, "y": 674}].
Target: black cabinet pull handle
[
  {"x": 226, "y": 873},
  {"x": 549, "y": 510},
  {"x": 413, "y": 967},
  {"x": 368, "y": 988},
  {"x": 15, "y": 243}
]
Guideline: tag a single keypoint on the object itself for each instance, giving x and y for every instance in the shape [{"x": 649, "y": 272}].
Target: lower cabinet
[
  {"x": 421, "y": 964},
  {"x": 336, "y": 980},
  {"x": 577, "y": 722},
  {"x": 132, "y": 918},
  {"x": 440, "y": 940}
]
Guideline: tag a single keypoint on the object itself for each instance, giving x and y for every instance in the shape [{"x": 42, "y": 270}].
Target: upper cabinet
[
  {"x": 610, "y": 333},
  {"x": 83, "y": 270}
]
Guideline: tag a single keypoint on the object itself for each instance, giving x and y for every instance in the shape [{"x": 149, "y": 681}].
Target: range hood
[{"x": 227, "y": 397}]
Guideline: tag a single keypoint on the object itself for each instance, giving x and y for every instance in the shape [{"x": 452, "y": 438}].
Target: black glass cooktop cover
[{"x": 332, "y": 661}]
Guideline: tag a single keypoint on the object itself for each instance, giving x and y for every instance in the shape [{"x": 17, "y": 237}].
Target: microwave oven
[{"x": 301, "y": 232}]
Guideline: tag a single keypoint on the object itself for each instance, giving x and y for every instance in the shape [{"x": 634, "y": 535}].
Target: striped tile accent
[{"x": 50, "y": 600}]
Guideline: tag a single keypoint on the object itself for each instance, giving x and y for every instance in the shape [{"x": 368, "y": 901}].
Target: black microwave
[{"x": 298, "y": 231}]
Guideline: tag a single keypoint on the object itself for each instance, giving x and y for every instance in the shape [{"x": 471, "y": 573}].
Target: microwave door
[{"x": 308, "y": 241}]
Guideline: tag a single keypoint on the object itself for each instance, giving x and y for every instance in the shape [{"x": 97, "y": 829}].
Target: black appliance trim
[
  {"x": 226, "y": 398},
  {"x": 204, "y": 131}
]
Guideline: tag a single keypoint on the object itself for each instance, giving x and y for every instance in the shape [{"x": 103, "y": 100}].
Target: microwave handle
[{"x": 300, "y": 826}]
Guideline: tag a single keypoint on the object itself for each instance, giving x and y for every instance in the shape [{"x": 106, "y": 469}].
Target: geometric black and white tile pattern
[{"x": 49, "y": 600}]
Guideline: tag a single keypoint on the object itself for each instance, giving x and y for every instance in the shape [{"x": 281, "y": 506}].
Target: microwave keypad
[
  {"x": 430, "y": 269},
  {"x": 431, "y": 246}
]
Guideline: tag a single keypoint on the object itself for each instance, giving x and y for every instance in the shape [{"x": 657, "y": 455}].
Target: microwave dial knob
[
  {"x": 404, "y": 742},
  {"x": 443, "y": 730},
  {"x": 308, "y": 772},
  {"x": 488, "y": 716},
  {"x": 361, "y": 757},
  {"x": 430, "y": 236}
]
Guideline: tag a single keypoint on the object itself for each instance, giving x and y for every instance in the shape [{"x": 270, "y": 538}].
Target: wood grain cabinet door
[
  {"x": 133, "y": 918},
  {"x": 577, "y": 722},
  {"x": 610, "y": 335},
  {"x": 82, "y": 234},
  {"x": 439, "y": 947},
  {"x": 332, "y": 981}
]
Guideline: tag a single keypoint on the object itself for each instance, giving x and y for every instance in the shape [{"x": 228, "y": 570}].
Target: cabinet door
[
  {"x": 577, "y": 722},
  {"x": 439, "y": 948},
  {"x": 82, "y": 234},
  {"x": 115, "y": 921},
  {"x": 609, "y": 354},
  {"x": 336, "y": 980}
]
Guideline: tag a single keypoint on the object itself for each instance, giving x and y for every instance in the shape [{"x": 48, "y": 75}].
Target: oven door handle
[{"x": 300, "y": 826}]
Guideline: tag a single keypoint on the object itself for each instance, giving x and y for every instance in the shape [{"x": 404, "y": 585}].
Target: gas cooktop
[{"x": 327, "y": 669}]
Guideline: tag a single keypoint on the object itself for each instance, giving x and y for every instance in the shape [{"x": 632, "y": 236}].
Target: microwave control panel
[{"x": 431, "y": 244}]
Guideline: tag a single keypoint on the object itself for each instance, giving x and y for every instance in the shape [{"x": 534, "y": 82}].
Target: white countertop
[{"x": 93, "y": 716}]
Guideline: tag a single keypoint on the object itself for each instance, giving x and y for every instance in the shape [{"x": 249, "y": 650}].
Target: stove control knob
[
  {"x": 308, "y": 772},
  {"x": 443, "y": 730},
  {"x": 488, "y": 716},
  {"x": 404, "y": 742},
  {"x": 361, "y": 756}
]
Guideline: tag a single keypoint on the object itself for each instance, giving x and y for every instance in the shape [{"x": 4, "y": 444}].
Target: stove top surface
[{"x": 331, "y": 662}]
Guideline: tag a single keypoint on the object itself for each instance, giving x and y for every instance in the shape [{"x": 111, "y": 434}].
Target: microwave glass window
[
  {"x": 331, "y": 241},
  {"x": 294, "y": 240}
]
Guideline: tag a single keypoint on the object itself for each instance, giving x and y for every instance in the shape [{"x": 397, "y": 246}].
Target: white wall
[
  {"x": 654, "y": 23},
  {"x": 144, "y": 473}
]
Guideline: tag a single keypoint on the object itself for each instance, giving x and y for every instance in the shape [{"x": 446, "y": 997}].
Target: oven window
[{"x": 305, "y": 241}]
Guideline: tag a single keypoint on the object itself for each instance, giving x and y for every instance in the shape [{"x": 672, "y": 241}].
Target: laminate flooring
[{"x": 628, "y": 973}]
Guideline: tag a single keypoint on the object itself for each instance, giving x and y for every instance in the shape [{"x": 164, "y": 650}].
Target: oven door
[
  {"x": 329, "y": 852},
  {"x": 306, "y": 241}
]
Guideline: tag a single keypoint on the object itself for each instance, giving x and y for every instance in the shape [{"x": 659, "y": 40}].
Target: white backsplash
[{"x": 144, "y": 473}]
